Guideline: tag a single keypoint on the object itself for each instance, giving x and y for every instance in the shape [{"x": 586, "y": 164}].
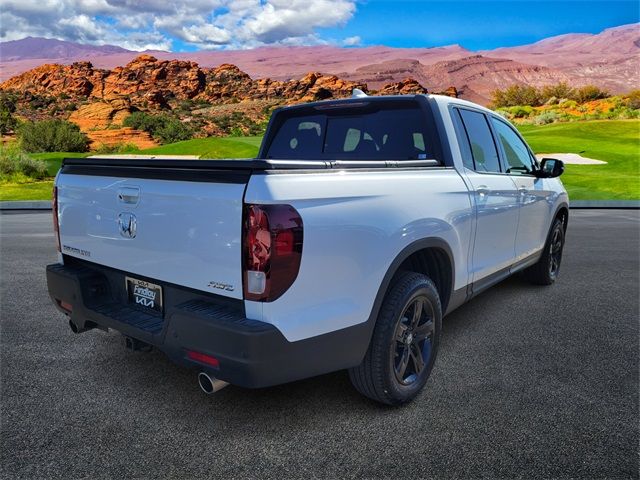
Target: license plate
[{"x": 144, "y": 294}]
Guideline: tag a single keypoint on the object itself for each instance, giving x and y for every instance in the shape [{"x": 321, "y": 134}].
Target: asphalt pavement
[{"x": 530, "y": 382}]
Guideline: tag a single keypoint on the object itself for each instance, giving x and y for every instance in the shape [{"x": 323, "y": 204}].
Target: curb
[
  {"x": 26, "y": 205},
  {"x": 633, "y": 204}
]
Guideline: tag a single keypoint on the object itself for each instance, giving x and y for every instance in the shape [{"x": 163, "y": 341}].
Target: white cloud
[
  {"x": 352, "y": 41},
  {"x": 205, "y": 34},
  {"x": 142, "y": 24}
]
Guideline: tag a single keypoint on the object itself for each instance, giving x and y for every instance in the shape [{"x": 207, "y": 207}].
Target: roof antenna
[{"x": 357, "y": 93}]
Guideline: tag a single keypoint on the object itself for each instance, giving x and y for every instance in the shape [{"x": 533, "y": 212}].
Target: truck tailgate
[{"x": 186, "y": 231}]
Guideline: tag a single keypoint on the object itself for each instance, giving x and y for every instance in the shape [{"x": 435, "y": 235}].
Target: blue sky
[
  {"x": 186, "y": 25},
  {"x": 478, "y": 24}
]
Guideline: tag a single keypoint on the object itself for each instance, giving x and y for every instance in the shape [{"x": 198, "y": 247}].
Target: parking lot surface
[{"x": 530, "y": 382}]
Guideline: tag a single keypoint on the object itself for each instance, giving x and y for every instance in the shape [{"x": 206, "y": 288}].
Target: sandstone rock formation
[
  {"x": 75, "y": 80},
  {"x": 149, "y": 83},
  {"x": 101, "y": 114},
  {"x": 97, "y": 99},
  {"x": 157, "y": 80},
  {"x": 404, "y": 87},
  {"x": 119, "y": 137}
]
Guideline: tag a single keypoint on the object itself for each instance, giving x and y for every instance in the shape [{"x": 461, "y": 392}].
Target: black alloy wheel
[
  {"x": 404, "y": 343},
  {"x": 546, "y": 270},
  {"x": 413, "y": 340}
]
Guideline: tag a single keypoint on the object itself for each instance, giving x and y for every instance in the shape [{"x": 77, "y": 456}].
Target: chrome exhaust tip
[{"x": 209, "y": 384}]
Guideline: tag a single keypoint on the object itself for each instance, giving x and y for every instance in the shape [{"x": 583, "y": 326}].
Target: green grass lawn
[
  {"x": 212, "y": 147},
  {"x": 40, "y": 190},
  {"x": 614, "y": 141},
  {"x": 54, "y": 159},
  {"x": 26, "y": 191}
]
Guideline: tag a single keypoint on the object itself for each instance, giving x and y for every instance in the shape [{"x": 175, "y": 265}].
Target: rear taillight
[
  {"x": 66, "y": 306},
  {"x": 54, "y": 208},
  {"x": 272, "y": 249}
]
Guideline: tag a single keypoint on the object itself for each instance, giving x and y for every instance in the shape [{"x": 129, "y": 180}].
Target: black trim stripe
[
  {"x": 221, "y": 171},
  {"x": 176, "y": 174}
]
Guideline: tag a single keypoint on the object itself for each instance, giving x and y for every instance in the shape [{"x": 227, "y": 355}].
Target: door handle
[
  {"x": 483, "y": 191},
  {"x": 129, "y": 195},
  {"x": 523, "y": 191}
]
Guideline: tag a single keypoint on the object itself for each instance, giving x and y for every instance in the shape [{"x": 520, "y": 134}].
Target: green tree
[
  {"x": 165, "y": 128},
  {"x": 633, "y": 99},
  {"x": 52, "y": 136},
  {"x": 559, "y": 90},
  {"x": 13, "y": 161},
  {"x": 517, "y": 95},
  {"x": 8, "y": 122},
  {"x": 589, "y": 93},
  {"x": 143, "y": 121},
  {"x": 173, "y": 130}
]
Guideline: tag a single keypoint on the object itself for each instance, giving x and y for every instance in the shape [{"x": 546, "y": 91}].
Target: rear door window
[
  {"x": 481, "y": 143},
  {"x": 398, "y": 133},
  {"x": 463, "y": 139}
]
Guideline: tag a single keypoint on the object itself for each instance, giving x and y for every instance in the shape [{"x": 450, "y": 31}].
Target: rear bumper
[{"x": 250, "y": 353}]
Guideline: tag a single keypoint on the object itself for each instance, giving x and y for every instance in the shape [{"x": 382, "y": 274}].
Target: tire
[
  {"x": 404, "y": 343},
  {"x": 546, "y": 271}
]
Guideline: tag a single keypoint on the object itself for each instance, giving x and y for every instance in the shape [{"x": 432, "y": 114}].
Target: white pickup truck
[{"x": 360, "y": 224}]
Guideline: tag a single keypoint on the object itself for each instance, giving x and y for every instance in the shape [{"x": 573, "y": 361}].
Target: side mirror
[{"x": 550, "y": 168}]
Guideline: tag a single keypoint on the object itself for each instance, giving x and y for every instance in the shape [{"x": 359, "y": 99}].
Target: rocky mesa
[{"x": 98, "y": 99}]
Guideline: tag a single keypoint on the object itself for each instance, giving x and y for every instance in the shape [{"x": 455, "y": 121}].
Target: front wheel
[
  {"x": 404, "y": 344},
  {"x": 546, "y": 271}
]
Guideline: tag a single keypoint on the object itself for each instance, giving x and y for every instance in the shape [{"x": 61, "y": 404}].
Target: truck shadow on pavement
[{"x": 159, "y": 385}]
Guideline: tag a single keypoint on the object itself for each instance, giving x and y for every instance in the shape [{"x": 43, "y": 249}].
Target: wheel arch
[
  {"x": 435, "y": 252},
  {"x": 562, "y": 211}
]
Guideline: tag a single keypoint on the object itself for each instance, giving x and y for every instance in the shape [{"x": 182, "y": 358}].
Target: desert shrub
[
  {"x": 190, "y": 104},
  {"x": 15, "y": 163},
  {"x": 566, "y": 103},
  {"x": 589, "y": 93},
  {"x": 165, "y": 128},
  {"x": 52, "y": 136},
  {"x": 526, "y": 95},
  {"x": 547, "y": 117},
  {"x": 186, "y": 105},
  {"x": 559, "y": 90},
  {"x": 143, "y": 121},
  {"x": 505, "y": 113},
  {"x": 38, "y": 102},
  {"x": 517, "y": 95},
  {"x": 628, "y": 112},
  {"x": 632, "y": 100},
  {"x": 117, "y": 148},
  {"x": 521, "y": 111},
  {"x": 173, "y": 130},
  {"x": 237, "y": 124}
]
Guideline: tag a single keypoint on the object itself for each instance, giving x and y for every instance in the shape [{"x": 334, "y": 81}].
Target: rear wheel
[
  {"x": 546, "y": 271},
  {"x": 404, "y": 344}
]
